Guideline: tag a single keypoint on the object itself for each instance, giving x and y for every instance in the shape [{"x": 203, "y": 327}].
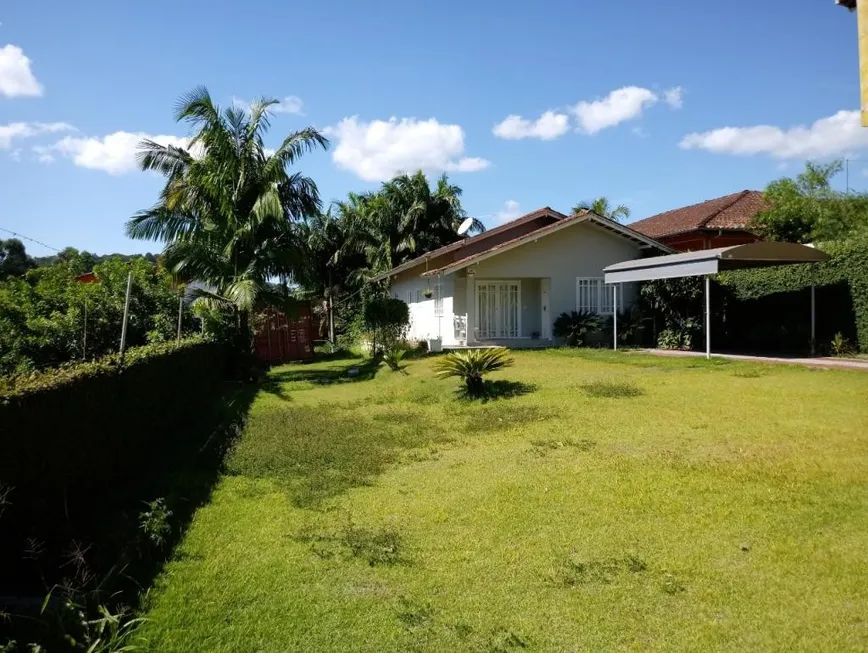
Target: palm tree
[
  {"x": 601, "y": 207},
  {"x": 404, "y": 219},
  {"x": 228, "y": 206},
  {"x": 330, "y": 264}
]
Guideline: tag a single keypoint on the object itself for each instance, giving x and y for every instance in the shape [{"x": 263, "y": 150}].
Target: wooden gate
[{"x": 280, "y": 340}]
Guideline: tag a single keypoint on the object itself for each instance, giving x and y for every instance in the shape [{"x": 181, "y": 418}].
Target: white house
[{"x": 508, "y": 285}]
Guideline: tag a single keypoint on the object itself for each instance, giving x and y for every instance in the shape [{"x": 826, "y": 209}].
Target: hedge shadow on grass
[{"x": 87, "y": 536}]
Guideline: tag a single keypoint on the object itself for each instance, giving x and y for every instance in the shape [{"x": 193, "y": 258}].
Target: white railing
[{"x": 459, "y": 327}]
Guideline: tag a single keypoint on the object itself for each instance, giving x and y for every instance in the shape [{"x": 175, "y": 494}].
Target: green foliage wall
[
  {"x": 42, "y": 314},
  {"x": 848, "y": 265},
  {"x": 79, "y": 441}
]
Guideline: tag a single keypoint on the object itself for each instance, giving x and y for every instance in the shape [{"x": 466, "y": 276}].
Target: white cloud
[
  {"x": 547, "y": 127},
  {"x": 16, "y": 78},
  {"x": 380, "y": 149},
  {"x": 15, "y": 154},
  {"x": 18, "y": 130},
  {"x": 511, "y": 210},
  {"x": 827, "y": 137},
  {"x": 290, "y": 104},
  {"x": 114, "y": 153},
  {"x": 43, "y": 153},
  {"x": 674, "y": 97},
  {"x": 619, "y": 106}
]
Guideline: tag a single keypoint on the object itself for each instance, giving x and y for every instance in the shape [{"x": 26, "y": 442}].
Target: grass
[{"x": 618, "y": 502}]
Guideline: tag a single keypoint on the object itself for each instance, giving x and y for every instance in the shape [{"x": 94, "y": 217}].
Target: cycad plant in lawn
[
  {"x": 472, "y": 365},
  {"x": 227, "y": 209}
]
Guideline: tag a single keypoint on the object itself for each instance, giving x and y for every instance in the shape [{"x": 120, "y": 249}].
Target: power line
[{"x": 32, "y": 240}]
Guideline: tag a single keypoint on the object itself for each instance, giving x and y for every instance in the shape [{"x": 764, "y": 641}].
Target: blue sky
[{"x": 524, "y": 104}]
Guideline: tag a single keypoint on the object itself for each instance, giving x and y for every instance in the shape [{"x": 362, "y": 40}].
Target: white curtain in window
[{"x": 595, "y": 295}]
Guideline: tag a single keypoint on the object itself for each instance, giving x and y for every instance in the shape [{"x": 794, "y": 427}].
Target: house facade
[
  {"x": 509, "y": 284},
  {"x": 720, "y": 222}
]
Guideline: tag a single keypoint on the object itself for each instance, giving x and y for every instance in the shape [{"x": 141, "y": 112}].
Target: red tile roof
[{"x": 730, "y": 212}]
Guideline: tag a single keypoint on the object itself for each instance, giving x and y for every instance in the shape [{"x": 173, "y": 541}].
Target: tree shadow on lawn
[
  {"x": 357, "y": 370},
  {"x": 495, "y": 390}
]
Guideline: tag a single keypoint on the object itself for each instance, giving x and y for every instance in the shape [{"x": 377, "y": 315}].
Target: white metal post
[
  {"x": 84, "y": 342},
  {"x": 126, "y": 316},
  {"x": 813, "y": 320},
  {"x": 180, "y": 315},
  {"x": 707, "y": 316},
  {"x": 615, "y": 316}
]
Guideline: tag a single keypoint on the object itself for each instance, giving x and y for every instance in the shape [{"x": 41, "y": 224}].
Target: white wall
[
  {"x": 582, "y": 250},
  {"x": 423, "y": 322}
]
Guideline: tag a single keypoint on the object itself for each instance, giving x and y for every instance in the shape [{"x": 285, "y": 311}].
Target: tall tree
[
  {"x": 807, "y": 208},
  {"x": 226, "y": 211},
  {"x": 404, "y": 219},
  {"x": 601, "y": 206},
  {"x": 14, "y": 261},
  {"x": 330, "y": 266}
]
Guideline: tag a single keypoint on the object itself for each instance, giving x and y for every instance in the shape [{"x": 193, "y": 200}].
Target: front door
[
  {"x": 545, "y": 287},
  {"x": 498, "y": 312}
]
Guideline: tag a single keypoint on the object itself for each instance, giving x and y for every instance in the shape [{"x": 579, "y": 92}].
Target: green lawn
[{"x": 613, "y": 502}]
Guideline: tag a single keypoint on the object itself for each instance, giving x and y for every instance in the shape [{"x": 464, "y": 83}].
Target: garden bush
[
  {"x": 83, "y": 440},
  {"x": 576, "y": 326},
  {"x": 386, "y": 321}
]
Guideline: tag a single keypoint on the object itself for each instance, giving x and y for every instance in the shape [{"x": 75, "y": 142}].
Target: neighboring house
[
  {"x": 509, "y": 284},
  {"x": 716, "y": 223}
]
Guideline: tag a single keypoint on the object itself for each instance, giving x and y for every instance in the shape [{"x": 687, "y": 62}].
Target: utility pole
[{"x": 126, "y": 316}]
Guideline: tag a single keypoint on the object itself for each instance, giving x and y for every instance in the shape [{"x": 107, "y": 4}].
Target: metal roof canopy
[{"x": 712, "y": 261}]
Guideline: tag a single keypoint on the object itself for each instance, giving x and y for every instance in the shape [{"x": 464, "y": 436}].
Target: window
[
  {"x": 409, "y": 296},
  {"x": 438, "y": 300},
  {"x": 594, "y": 295},
  {"x": 418, "y": 296}
]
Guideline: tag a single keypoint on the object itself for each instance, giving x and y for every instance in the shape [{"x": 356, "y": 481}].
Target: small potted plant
[{"x": 428, "y": 293}]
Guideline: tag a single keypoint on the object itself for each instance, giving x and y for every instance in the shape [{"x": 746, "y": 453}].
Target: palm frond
[
  {"x": 159, "y": 223},
  {"x": 168, "y": 160},
  {"x": 196, "y": 106}
]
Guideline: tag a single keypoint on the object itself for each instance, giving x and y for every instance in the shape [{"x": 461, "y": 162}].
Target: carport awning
[{"x": 712, "y": 261}]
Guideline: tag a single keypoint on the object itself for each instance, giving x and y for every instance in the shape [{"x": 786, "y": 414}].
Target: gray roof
[{"x": 712, "y": 261}]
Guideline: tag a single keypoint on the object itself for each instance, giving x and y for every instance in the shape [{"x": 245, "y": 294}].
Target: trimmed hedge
[
  {"x": 80, "y": 441},
  {"x": 848, "y": 266}
]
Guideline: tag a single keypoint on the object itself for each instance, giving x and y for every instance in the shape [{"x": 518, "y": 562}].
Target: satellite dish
[{"x": 465, "y": 226}]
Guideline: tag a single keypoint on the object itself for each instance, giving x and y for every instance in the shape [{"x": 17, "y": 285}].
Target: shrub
[
  {"x": 472, "y": 365},
  {"x": 575, "y": 326},
  {"x": 392, "y": 357},
  {"x": 386, "y": 321},
  {"x": 630, "y": 325},
  {"x": 840, "y": 346},
  {"x": 679, "y": 337}
]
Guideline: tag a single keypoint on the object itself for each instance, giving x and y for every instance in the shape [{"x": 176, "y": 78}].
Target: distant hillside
[{"x": 45, "y": 261}]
